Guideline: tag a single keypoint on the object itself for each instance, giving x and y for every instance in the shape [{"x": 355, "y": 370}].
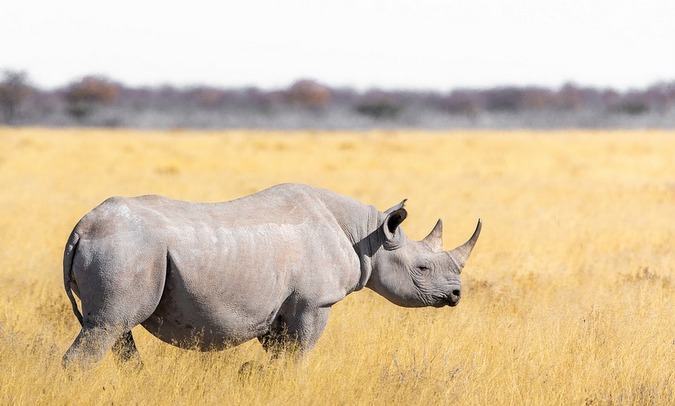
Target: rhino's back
[{"x": 279, "y": 205}]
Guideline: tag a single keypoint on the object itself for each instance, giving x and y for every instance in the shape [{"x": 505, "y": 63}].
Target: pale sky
[{"x": 420, "y": 44}]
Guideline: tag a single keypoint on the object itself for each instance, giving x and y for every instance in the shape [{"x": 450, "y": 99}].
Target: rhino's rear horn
[
  {"x": 461, "y": 253},
  {"x": 435, "y": 237}
]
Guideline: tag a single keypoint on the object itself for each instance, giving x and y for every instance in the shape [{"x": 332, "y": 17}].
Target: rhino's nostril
[{"x": 457, "y": 293}]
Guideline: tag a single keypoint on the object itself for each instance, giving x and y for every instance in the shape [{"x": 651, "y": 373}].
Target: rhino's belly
[
  {"x": 203, "y": 331},
  {"x": 191, "y": 319}
]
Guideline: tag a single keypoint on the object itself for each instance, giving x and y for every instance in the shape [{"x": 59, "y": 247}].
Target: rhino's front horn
[{"x": 461, "y": 253}]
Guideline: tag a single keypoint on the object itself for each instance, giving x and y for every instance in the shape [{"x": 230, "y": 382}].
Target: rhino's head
[{"x": 417, "y": 273}]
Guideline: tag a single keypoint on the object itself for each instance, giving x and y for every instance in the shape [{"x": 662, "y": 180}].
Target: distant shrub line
[{"x": 99, "y": 101}]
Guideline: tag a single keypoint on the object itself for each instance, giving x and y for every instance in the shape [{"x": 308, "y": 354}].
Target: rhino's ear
[
  {"x": 392, "y": 221},
  {"x": 435, "y": 238}
]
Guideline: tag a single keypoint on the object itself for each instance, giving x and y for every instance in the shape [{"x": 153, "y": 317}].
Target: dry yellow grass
[{"x": 569, "y": 296}]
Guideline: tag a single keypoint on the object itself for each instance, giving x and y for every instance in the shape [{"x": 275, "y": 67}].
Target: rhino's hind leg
[
  {"x": 126, "y": 352},
  {"x": 91, "y": 345},
  {"x": 114, "y": 298}
]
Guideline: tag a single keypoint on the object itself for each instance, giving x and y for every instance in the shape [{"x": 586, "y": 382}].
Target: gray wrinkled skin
[{"x": 267, "y": 266}]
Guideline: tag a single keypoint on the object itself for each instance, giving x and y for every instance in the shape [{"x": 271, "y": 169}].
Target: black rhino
[{"x": 266, "y": 266}]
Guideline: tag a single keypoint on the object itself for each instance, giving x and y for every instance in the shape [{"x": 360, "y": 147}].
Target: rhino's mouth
[
  {"x": 452, "y": 303},
  {"x": 446, "y": 301}
]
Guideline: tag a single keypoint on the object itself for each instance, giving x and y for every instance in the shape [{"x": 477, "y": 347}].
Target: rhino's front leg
[
  {"x": 310, "y": 327},
  {"x": 297, "y": 333}
]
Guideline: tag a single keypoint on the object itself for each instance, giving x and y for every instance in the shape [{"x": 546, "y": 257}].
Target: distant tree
[
  {"x": 207, "y": 97},
  {"x": 610, "y": 98},
  {"x": 379, "y": 105},
  {"x": 464, "y": 102},
  {"x": 631, "y": 104},
  {"x": 308, "y": 94},
  {"x": 85, "y": 95},
  {"x": 538, "y": 98},
  {"x": 13, "y": 92},
  {"x": 508, "y": 99},
  {"x": 660, "y": 96},
  {"x": 570, "y": 97}
]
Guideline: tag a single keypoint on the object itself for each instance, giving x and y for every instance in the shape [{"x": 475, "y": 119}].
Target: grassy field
[{"x": 569, "y": 296}]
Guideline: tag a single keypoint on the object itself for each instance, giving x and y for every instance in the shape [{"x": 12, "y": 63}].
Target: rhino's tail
[{"x": 68, "y": 256}]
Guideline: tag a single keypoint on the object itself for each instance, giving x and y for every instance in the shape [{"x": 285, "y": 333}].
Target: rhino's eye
[{"x": 423, "y": 269}]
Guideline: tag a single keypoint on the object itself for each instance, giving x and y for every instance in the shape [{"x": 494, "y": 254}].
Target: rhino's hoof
[{"x": 250, "y": 368}]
